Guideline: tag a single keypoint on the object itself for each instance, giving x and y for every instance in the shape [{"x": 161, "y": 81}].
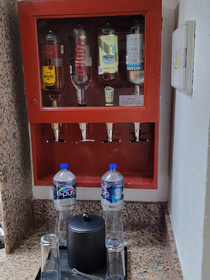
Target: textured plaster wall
[
  {"x": 15, "y": 172},
  {"x": 190, "y": 147}
]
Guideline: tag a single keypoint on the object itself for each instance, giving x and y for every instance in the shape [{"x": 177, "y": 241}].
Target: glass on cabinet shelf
[{"x": 86, "y": 61}]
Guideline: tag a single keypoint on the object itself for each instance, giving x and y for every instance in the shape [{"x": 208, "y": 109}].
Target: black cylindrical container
[{"x": 86, "y": 242}]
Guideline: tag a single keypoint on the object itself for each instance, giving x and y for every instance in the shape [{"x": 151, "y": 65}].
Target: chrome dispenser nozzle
[
  {"x": 55, "y": 128},
  {"x": 109, "y": 128},
  {"x": 137, "y": 133},
  {"x": 83, "y": 128}
]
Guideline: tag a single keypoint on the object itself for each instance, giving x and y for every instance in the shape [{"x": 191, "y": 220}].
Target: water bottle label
[
  {"x": 112, "y": 194},
  {"x": 63, "y": 190}
]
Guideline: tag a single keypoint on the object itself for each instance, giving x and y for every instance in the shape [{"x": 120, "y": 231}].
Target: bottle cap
[
  {"x": 64, "y": 166},
  {"x": 112, "y": 166}
]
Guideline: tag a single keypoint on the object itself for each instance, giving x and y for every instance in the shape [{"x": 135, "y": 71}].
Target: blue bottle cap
[
  {"x": 64, "y": 166},
  {"x": 112, "y": 166}
]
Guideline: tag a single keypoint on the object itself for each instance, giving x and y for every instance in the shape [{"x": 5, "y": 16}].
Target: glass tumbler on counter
[
  {"x": 50, "y": 259},
  {"x": 115, "y": 259}
]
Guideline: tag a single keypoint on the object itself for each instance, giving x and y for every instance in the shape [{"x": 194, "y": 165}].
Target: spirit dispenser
[
  {"x": 108, "y": 61},
  {"x": 135, "y": 67},
  {"x": 112, "y": 62},
  {"x": 52, "y": 73},
  {"x": 80, "y": 70}
]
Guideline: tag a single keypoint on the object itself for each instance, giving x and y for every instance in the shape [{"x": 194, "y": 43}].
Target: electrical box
[{"x": 183, "y": 41}]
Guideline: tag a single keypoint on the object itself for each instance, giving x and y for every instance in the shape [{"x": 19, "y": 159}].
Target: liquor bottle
[
  {"x": 51, "y": 62},
  {"x": 80, "y": 63},
  {"x": 108, "y": 61},
  {"x": 52, "y": 73},
  {"x": 135, "y": 56}
]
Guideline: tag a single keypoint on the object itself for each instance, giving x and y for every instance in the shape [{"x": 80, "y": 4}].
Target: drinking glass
[
  {"x": 50, "y": 259},
  {"x": 115, "y": 259}
]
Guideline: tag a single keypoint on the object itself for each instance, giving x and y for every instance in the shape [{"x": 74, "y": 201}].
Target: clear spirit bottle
[
  {"x": 135, "y": 56},
  {"x": 80, "y": 63}
]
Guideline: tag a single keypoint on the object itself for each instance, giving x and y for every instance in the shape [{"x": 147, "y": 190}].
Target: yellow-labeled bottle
[
  {"x": 51, "y": 62},
  {"x": 108, "y": 61}
]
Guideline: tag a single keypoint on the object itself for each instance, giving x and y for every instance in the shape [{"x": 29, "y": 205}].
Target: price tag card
[{"x": 131, "y": 100}]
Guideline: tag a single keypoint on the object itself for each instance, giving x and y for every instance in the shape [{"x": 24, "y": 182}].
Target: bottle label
[
  {"x": 112, "y": 194},
  {"x": 109, "y": 96},
  {"x": 135, "y": 52},
  {"x": 51, "y": 51},
  {"x": 108, "y": 53},
  {"x": 81, "y": 58},
  {"x": 64, "y": 190},
  {"x": 48, "y": 75}
]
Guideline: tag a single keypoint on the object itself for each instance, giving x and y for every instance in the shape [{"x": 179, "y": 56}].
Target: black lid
[{"x": 85, "y": 223}]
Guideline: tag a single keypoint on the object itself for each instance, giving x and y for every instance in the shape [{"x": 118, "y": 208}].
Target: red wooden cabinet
[{"x": 89, "y": 160}]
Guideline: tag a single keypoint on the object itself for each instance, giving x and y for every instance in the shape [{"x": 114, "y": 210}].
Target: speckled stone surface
[
  {"x": 171, "y": 250},
  {"x": 146, "y": 252},
  {"x": 1, "y": 217},
  {"x": 132, "y": 212},
  {"x": 15, "y": 170},
  {"x": 144, "y": 237}
]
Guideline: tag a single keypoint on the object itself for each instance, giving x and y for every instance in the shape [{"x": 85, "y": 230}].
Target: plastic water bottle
[
  {"x": 64, "y": 194},
  {"x": 112, "y": 185}
]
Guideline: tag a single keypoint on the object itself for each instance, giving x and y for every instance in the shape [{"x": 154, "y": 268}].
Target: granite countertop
[
  {"x": 146, "y": 253},
  {"x": 148, "y": 235}
]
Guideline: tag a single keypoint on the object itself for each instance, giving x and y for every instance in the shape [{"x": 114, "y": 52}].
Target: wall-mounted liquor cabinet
[{"x": 92, "y": 80}]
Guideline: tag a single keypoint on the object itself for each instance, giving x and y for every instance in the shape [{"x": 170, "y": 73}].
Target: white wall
[
  {"x": 190, "y": 147},
  {"x": 206, "y": 234},
  {"x": 162, "y": 193}
]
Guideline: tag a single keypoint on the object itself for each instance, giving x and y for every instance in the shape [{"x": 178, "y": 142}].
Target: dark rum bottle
[
  {"x": 135, "y": 55},
  {"x": 108, "y": 60},
  {"x": 51, "y": 62}
]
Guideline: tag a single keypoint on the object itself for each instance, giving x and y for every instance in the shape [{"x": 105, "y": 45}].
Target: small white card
[{"x": 131, "y": 100}]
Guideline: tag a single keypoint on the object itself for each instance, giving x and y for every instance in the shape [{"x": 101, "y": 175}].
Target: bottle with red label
[
  {"x": 80, "y": 63},
  {"x": 51, "y": 63}
]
